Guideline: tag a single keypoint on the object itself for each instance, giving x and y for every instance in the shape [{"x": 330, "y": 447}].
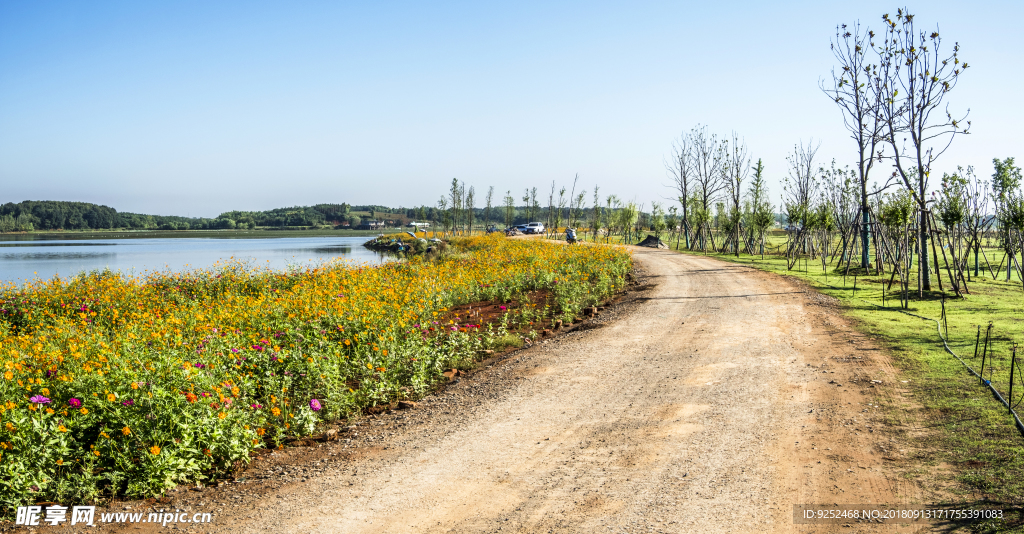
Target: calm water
[{"x": 21, "y": 260}]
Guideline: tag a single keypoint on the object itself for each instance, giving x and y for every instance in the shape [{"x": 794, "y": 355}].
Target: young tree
[
  {"x": 577, "y": 211},
  {"x": 736, "y": 168},
  {"x": 490, "y": 202},
  {"x": 549, "y": 228},
  {"x": 456, "y": 203},
  {"x": 762, "y": 211},
  {"x": 446, "y": 215},
  {"x": 680, "y": 169},
  {"x": 854, "y": 90},
  {"x": 470, "y": 201},
  {"x": 510, "y": 209},
  {"x": 709, "y": 156},
  {"x": 914, "y": 77},
  {"x": 657, "y": 219},
  {"x": 1005, "y": 181}
]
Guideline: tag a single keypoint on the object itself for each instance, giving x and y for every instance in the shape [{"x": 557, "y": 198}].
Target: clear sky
[{"x": 195, "y": 108}]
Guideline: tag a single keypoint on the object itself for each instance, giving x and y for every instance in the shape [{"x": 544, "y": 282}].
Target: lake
[{"x": 22, "y": 259}]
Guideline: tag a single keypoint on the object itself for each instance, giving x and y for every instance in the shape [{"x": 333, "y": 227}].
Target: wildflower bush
[{"x": 118, "y": 385}]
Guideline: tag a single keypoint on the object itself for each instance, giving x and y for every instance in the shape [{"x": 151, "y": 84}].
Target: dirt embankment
[{"x": 711, "y": 401}]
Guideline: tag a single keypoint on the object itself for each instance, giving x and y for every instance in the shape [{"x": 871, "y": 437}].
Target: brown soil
[{"x": 711, "y": 400}]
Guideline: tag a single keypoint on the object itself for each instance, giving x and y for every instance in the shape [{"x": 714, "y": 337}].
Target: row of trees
[
  {"x": 710, "y": 172},
  {"x": 60, "y": 215}
]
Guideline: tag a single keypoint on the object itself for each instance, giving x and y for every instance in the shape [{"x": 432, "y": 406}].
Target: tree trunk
[
  {"x": 865, "y": 238},
  {"x": 922, "y": 256}
]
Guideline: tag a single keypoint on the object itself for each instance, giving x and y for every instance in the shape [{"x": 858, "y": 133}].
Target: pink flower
[{"x": 315, "y": 405}]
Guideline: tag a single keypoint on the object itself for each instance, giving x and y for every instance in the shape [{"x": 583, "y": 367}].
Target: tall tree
[
  {"x": 680, "y": 169},
  {"x": 914, "y": 76},
  {"x": 854, "y": 89}
]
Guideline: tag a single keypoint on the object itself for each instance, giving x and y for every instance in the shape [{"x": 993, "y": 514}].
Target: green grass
[{"x": 976, "y": 435}]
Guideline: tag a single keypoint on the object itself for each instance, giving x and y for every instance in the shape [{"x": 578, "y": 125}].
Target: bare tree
[
  {"x": 914, "y": 77},
  {"x": 680, "y": 169},
  {"x": 801, "y": 184},
  {"x": 708, "y": 159},
  {"x": 855, "y": 91},
  {"x": 737, "y": 165}
]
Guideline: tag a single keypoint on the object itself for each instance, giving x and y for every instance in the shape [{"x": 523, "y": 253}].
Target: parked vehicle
[{"x": 534, "y": 228}]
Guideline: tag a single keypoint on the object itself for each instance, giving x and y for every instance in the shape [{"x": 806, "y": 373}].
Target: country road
[{"x": 712, "y": 401}]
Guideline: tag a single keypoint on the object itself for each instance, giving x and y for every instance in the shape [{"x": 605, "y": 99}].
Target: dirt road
[{"x": 714, "y": 401}]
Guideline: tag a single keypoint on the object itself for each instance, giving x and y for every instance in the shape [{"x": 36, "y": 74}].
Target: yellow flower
[
  {"x": 84, "y": 411},
  {"x": 60, "y": 462},
  {"x": 111, "y": 397},
  {"x": 275, "y": 410},
  {"x": 154, "y": 450},
  {"x": 44, "y": 391},
  {"x": 10, "y": 427},
  {"x": 135, "y": 385},
  {"x": 49, "y": 411},
  {"x": 222, "y": 415},
  {"x": 234, "y": 391},
  {"x": 8, "y": 375},
  {"x": 126, "y": 431},
  {"x": 97, "y": 453}
]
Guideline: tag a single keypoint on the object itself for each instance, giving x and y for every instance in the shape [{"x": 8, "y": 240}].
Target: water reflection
[
  {"x": 12, "y": 256},
  {"x": 45, "y": 244},
  {"x": 30, "y": 259}
]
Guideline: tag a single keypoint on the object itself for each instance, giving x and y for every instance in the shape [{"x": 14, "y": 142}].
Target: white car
[{"x": 534, "y": 228}]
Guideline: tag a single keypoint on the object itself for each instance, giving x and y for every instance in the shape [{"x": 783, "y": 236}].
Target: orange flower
[
  {"x": 154, "y": 450},
  {"x": 126, "y": 431}
]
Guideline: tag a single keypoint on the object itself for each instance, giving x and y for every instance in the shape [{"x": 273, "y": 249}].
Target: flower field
[{"x": 129, "y": 386}]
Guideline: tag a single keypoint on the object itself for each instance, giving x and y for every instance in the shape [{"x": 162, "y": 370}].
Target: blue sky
[{"x": 203, "y": 107}]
